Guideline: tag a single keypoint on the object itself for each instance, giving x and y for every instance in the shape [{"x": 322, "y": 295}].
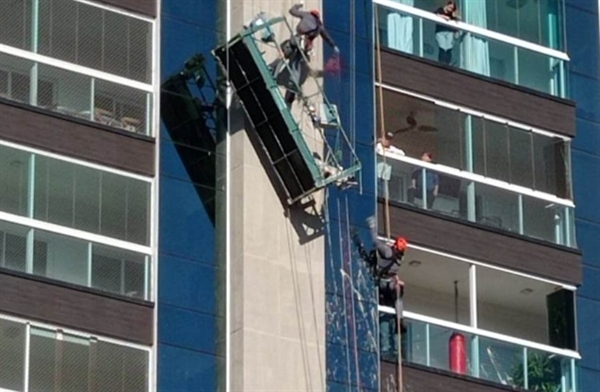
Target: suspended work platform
[{"x": 307, "y": 147}]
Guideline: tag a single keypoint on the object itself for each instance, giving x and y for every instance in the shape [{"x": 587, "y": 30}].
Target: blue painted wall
[
  {"x": 351, "y": 303},
  {"x": 188, "y": 319},
  {"x": 584, "y": 49}
]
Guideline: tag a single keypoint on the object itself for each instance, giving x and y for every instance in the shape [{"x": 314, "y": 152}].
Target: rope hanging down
[{"x": 386, "y": 193}]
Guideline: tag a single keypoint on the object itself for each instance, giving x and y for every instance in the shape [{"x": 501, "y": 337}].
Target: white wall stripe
[
  {"x": 76, "y": 161},
  {"x": 484, "y": 333},
  {"x": 474, "y": 29},
  {"x": 473, "y": 112},
  {"x": 75, "y": 68},
  {"x": 117, "y": 10},
  {"x": 100, "y": 239}
]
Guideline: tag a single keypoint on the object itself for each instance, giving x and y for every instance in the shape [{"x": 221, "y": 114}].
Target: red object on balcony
[{"x": 458, "y": 353}]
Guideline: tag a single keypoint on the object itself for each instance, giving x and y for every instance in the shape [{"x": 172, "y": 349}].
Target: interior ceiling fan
[{"x": 411, "y": 122}]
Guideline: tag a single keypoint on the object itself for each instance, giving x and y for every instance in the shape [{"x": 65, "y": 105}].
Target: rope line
[{"x": 386, "y": 195}]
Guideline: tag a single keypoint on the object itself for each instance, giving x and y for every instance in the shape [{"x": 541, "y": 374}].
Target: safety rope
[
  {"x": 386, "y": 195},
  {"x": 353, "y": 310},
  {"x": 382, "y": 121}
]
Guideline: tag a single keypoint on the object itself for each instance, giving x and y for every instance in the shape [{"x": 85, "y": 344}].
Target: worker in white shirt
[{"x": 384, "y": 168}]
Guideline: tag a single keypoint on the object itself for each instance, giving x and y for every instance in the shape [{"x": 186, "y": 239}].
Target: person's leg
[
  {"x": 448, "y": 56},
  {"x": 430, "y": 200},
  {"x": 441, "y": 55}
]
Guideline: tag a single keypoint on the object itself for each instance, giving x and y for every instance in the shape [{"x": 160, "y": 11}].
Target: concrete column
[{"x": 278, "y": 283}]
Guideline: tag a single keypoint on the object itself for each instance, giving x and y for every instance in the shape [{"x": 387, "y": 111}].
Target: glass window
[
  {"x": 12, "y": 355},
  {"x": 68, "y": 259},
  {"x": 434, "y": 282},
  {"x": 14, "y": 169},
  {"x": 521, "y": 160},
  {"x": 537, "y": 21},
  {"x": 119, "y": 271},
  {"x": 93, "y": 37},
  {"x": 91, "y": 200},
  {"x": 496, "y": 151},
  {"x": 525, "y": 308},
  {"x": 131, "y": 363},
  {"x": 13, "y": 246},
  {"x": 552, "y": 166},
  {"x": 15, "y": 22},
  {"x": 73, "y": 363}
]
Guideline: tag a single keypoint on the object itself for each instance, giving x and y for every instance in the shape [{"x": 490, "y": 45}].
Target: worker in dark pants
[
  {"x": 301, "y": 46},
  {"x": 385, "y": 261}
]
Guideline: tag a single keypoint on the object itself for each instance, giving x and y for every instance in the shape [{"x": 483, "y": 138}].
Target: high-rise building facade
[{"x": 166, "y": 222}]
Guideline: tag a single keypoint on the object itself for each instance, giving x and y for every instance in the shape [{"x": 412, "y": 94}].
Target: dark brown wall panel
[
  {"x": 144, "y": 7},
  {"x": 462, "y": 88},
  {"x": 76, "y": 139},
  {"x": 484, "y": 245},
  {"x": 72, "y": 308},
  {"x": 418, "y": 379}
]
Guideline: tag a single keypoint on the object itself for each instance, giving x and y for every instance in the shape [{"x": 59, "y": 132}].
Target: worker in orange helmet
[
  {"x": 300, "y": 46},
  {"x": 391, "y": 288}
]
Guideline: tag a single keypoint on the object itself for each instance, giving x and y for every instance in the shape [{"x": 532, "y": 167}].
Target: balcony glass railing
[
  {"x": 477, "y": 199},
  {"x": 472, "y": 48},
  {"x": 489, "y": 356},
  {"x": 75, "y": 94}
]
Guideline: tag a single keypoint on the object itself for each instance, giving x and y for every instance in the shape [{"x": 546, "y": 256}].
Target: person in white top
[{"x": 384, "y": 169}]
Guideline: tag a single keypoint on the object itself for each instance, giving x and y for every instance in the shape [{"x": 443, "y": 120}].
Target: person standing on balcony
[
  {"x": 384, "y": 167},
  {"x": 445, "y": 35},
  {"x": 432, "y": 182},
  {"x": 300, "y": 46}
]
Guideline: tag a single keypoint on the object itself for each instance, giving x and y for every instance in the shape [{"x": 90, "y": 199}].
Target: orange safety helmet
[
  {"x": 316, "y": 13},
  {"x": 401, "y": 244}
]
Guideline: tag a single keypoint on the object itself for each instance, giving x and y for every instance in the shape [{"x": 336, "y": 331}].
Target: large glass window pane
[
  {"x": 421, "y": 126},
  {"x": 542, "y": 219},
  {"x": 87, "y": 196},
  {"x": 58, "y": 24},
  {"x": 64, "y": 91},
  {"x": 44, "y": 360},
  {"x": 121, "y": 369},
  {"x": 496, "y": 151},
  {"x": 539, "y": 72},
  {"x": 93, "y": 37},
  {"x": 12, "y": 355},
  {"x": 432, "y": 279},
  {"x": 75, "y": 369},
  {"x": 120, "y": 106},
  {"x": 14, "y": 170},
  {"x": 91, "y": 200},
  {"x": 119, "y": 271},
  {"x": 13, "y": 246},
  {"x": 64, "y": 258},
  {"x": 521, "y": 160},
  {"x": 496, "y": 207},
  {"x": 513, "y": 305},
  {"x": 552, "y": 166},
  {"x": 54, "y": 191},
  {"x": 15, "y": 23}
]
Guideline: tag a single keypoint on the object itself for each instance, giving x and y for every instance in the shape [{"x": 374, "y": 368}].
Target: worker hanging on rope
[
  {"x": 384, "y": 261},
  {"x": 299, "y": 47}
]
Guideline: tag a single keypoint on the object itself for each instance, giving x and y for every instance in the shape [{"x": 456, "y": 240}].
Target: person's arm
[
  {"x": 382, "y": 248},
  {"x": 436, "y": 184},
  {"x": 295, "y": 11},
  {"x": 440, "y": 12},
  {"x": 325, "y": 35}
]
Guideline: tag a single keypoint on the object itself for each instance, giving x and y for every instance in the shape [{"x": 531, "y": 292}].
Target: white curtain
[
  {"x": 475, "y": 53},
  {"x": 400, "y": 29}
]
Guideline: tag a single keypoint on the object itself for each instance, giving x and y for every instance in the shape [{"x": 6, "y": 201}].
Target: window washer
[
  {"x": 384, "y": 262},
  {"x": 300, "y": 45}
]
